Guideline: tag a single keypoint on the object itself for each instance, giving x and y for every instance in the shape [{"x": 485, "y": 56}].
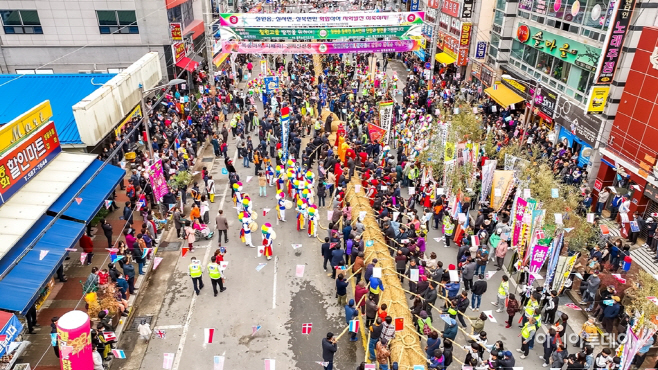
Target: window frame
[
  {"x": 36, "y": 29},
  {"x": 118, "y": 27}
]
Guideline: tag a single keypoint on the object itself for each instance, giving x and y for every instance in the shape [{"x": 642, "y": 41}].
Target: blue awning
[
  {"x": 93, "y": 195},
  {"x": 21, "y": 287}
]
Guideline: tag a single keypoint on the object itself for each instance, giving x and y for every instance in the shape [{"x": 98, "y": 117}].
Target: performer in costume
[
  {"x": 313, "y": 217},
  {"x": 301, "y": 210},
  {"x": 281, "y": 206},
  {"x": 237, "y": 196},
  {"x": 245, "y": 232},
  {"x": 268, "y": 241},
  {"x": 269, "y": 175}
]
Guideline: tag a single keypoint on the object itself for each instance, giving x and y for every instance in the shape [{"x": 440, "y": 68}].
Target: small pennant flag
[
  {"x": 414, "y": 274},
  {"x": 357, "y": 188},
  {"x": 208, "y": 334},
  {"x": 108, "y": 203},
  {"x": 300, "y": 271},
  {"x": 156, "y": 262},
  {"x": 218, "y": 363},
  {"x": 265, "y": 211},
  {"x": 171, "y": 206},
  {"x": 78, "y": 200},
  {"x": 184, "y": 251},
  {"x": 224, "y": 171},
  {"x": 590, "y": 218},
  {"x": 254, "y": 329},
  {"x": 138, "y": 206},
  {"x": 118, "y": 353},
  {"x": 377, "y": 272},
  {"x": 555, "y": 193},
  {"x": 475, "y": 240},
  {"x": 65, "y": 351},
  {"x": 370, "y": 243},
  {"x": 568, "y": 229},
  {"x": 71, "y": 249},
  {"x": 43, "y": 254},
  {"x": 306, "y": 328},
  {"x": 249, "y": 178},
  {"x": 161, "y": 334},
  {"x": 223, "y": 265},
  {"x": 83, "y": 257},
  {"x": 146, "y": 252},
  {"x": 619, "y": 278},
  {"x": 489, "y": 274},
  {"x": 117, "y": 258},
  {"x": 168, "y": 360},
  {"x": 354, "y": 326},
  {"x": 370, "y": 367},
  {"x": 123, "y": 165},
  {"x": 296, "y": 246},
  {"x": 573, "y": 306},
  {"x": 330, "y": 214},
  {"x": 490, "y": 316},
  {"x": 653, "y": 299},
  {"x": 323, "y": 364},
  {"x": 109, "y": 336},
  {"x": 269, "y": 364},
  {"x": 399, "y": 323}
]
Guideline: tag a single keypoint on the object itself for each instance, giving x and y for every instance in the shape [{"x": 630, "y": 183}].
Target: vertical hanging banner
[
  {"x": 386, "y": 118},
  {"x": 158, "y": 181},
  {"x": 467, "y": 9},
  {"x": 539, "y": 254},
  {"x": 176, "y": 31},
  {"x": 285, "y": 122},
  {"x": 614, "y": 41},
  {"x": 598, "y": 96}
]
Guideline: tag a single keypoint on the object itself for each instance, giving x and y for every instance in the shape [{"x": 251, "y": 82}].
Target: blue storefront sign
[
  {"x": 415, "y": 5},
  {"x": 420, "y": 53},
  {"x": 569, "y": 139},
  {"x": 9, "y": 332},
  {"x": 427, "y": 30},
  {"x": 481, "y": 50}
]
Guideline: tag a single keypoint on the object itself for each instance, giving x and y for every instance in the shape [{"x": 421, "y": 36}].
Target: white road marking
[
  {"x": 186, "y": 326},
  {"x": 276, "y": 261},
  {"x": 165, "y": 327}
]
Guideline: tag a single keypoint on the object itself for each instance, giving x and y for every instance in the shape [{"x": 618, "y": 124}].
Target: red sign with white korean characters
[
  {"x": 434, "y": 4},
  {"x": 27, "y": 159},
  {"x": 450, "y": 45},
  {"x": 451, "y": 8}
]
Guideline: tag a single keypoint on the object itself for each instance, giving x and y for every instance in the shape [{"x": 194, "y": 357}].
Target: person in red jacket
[{"x": 88, "y": 247}]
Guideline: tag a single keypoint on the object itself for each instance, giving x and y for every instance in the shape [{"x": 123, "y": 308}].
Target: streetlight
[
  {"x": 535, "y": 92},
  {"x": 145, "y": 115}
]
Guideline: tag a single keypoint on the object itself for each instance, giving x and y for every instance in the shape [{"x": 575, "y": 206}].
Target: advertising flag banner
[
  {"x": 386, "y": 118},
  {"x": 158, "y": 181},
  {"x": 299, "y": 20},
  {"x": 251, "y": 47},
  {"x": 312, "y": 33},
  {"x": 176, "y": 30},
  {"x": 376, "y": 133},
  {"x": 354, "y": 326}
]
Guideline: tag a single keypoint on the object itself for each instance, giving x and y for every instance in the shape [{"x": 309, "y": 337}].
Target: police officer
[
  {"x": 215, "y": 275},
  {"x": 195, "y": 271}
]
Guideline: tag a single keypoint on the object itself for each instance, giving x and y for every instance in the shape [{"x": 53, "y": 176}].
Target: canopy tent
[
  {"x": 502, "y": 95},
  {"x": 444, "y": 58}
]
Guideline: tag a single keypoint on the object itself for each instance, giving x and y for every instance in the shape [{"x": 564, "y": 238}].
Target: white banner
[{"x": 386, "y": 118}]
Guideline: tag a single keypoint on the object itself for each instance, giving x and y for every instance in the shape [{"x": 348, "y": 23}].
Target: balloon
[
  {"x": 557, "y": 5},
  {"x": 575, "y": 8},
  {"x": 596, "y": 12}
]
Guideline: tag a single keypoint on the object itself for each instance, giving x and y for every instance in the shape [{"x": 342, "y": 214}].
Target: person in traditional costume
[
  {"x": 313, "y": 217},
  {"x": 281, "y": 205},
  {"x": 268, "y": 240},
  {"x": 245, "y": 232}
]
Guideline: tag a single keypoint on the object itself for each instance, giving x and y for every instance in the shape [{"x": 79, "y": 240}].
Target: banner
[
  {"x": 136, "y": 112},
  {"x": 12, "y": 133},
  {"x": 554, "y": 254},
  {"x": 614, "y": 40},
  {"x": 271, "y": 84},
  {"x": 158, "y": 181},
  {"x": 310, "y": 20},
  {"x": 285, "y": 122},
  {"x": 539, "y": 254},
  {"x": 519, "y": 211},
  {"x": 597, "y": 98},
  {"x": 248, "y": 47},
  {"x": 9, "y": 332},
  {"x": 311, "y": 33},
  {"x": 564, "y": 266},
  {"x": 502, "y": 182},
  {"x": 385, "y": 118},
  {"x": 26, "y": 160},
  {"x": 176, "y": 31},
  {"x": 376, "y": 133}
]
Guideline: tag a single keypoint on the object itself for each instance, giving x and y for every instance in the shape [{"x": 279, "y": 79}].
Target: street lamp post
[{"x": 145, "y": 114}]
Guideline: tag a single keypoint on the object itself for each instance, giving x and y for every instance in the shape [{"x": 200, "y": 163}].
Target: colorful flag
[
  {"x": 495, "y": 86},
  {"x": 109, "y": 336},
  {"x": 168, "y": 360},
  {"x": 118, "y": 353},
  {"x": 300, "y": 271},
  {"x": 269, "y": 364},
  {"x": 146, "y": 252},
  {"x": 260, "y": 266},
  {"x": 78, "y": 200},
  {"x": 306, "y": 328},
  {"x": 184, "y": 251},
  {"x": 218, "y": 363},
  {"x": 156, "y": 262},
  {"x": 83, "y": 257},
  {"x": 161, "y": 334},
  {"x": 265, "y": 210},
  {"x": 475, "y": 240},
  {"x": 376, "y": 133},
  {"x": 208, "y": 334},
  {"x": 490, "y": 316},
  {"x": 254, "y": 329},
  {"x": 42, "y": 254},
  {"x": 249, "y": 178},
  {"x": 108, "y": 203},
  {"x": 354, "y": 326},
  {"x": 399, "y": 323}
]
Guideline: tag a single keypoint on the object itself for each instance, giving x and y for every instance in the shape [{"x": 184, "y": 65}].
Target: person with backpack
[{"x": 425, "y": 324}]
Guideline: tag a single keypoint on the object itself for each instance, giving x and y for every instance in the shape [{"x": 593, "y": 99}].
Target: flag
[
  {"x": 177, "y": 143},
  {"x": 184, "y": 251},
  {"x": 354, "y": 326},
  {"x": 495, "y": 86},
  {"x": 42, "y": 254},
  {"x": 161, "y": 334},
  {"x": 109, "y": 336},
  {"x": 475, "y": 240},
  {"x": 265, "y": 210},
  {"x": 108, "y": 203},
  {"x": 168, "y": 361},
  {"x": 156, "y": 262},
  {"x": 208, "y": 334},
  {"x": 399, "y": 323},
  {"x": 255, "y": 328},
  {"x": 376, "y": 132},
  {"x": 269, "y": 364},
  {"x": 118, "y": 353},
  {"x": 146, "y": 252},
  {"x": 64, "y": 351},
  {"x": 306, "y": 328},
  {"x": 299, "y": 271},
  {"x": 323, "y": 364},
  {"x": 218, "y": 363},
  {"x": 83, "y": 257},
  {"x": 78, "y": 200}
]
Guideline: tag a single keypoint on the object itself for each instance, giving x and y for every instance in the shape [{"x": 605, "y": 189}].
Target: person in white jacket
[
  {"x": 144, "y": 330},
  {"x": 98, "y": 360}
]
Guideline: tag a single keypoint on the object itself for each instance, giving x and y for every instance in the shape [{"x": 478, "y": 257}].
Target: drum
[
  {"x": 253, "y": 226},
  {"x": 254, "y": 216},
  {"x": 273, "y": 234},
  {"x": 288, "y": 204}
]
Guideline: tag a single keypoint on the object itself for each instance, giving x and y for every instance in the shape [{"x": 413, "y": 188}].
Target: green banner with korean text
[{"x": 311, "y": 33}]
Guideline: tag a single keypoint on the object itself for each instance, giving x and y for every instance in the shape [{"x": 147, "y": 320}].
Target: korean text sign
[
  {"x": 614, "y": 42},
  {"x": 27, "y": 159}
]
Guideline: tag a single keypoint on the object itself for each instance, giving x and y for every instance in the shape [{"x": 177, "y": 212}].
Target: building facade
[
  {"x": 93, "y": 36},
  {"x": 572, "y": 57}
]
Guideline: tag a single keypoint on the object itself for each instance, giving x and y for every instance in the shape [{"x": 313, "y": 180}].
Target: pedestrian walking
[
  {"x": 329, "y": 348},
  {"x": 479, "y": 288},
  {"x": 195, "y": 271},
  {"x": 215, "y": 274},
  {"x": 222, "y": 227}
]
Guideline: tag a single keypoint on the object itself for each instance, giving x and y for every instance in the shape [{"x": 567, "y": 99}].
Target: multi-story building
[
  {"x": 573, "y": 58},
  {"x": 93, "y": 36}
]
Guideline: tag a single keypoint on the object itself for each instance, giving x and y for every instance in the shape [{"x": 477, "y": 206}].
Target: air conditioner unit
[
  {"x": 100, "y": 71},
  {"x": 85, "y": 71}
]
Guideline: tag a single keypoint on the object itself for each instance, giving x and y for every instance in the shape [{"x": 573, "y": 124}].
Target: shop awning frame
[
  {"x": 503, "y": 95},
  {"x": 444, "y": 58},
  {"x": 187, "y": 64},
  {"x": 93, "y": 195}
]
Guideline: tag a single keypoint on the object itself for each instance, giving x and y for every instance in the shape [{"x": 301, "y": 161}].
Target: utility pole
[{"x": 207, "y": 19}]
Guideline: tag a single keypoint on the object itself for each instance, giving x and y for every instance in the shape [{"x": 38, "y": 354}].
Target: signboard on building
[
  {"x": 614, "y": 41},
  {"x": 20, "y": 127},
  {"x": 651, "y": 192},
  {"x": 571, "y": 116},
  {"x": 481, "y": 50},
  {"x": 545, "y": 99},
  {"x": 597, "y": 99},
  {"x": 467, "y": 9},
  {"x": 451, "y": 8},
  {"x": 178, "y": 50},
  {"x": 176, "y": 30},
  {"x": 581, "y": 55},
  {"x": 415, "y": 5},
  {"x": 25, "y": 160},
  {"x": 450, "y": 45},
  {"x": 136, "y": 112},
  {"x": 434, "y": 4}
]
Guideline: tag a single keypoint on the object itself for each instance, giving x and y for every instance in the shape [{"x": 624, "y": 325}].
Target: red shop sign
[{"x": 451, "y": 8}]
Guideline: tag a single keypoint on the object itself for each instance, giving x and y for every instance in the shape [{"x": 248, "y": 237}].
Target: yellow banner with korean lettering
[
  {"x": 20, "y": 127},
  {"x": 597, "y": 99},
  {"x": 136, "y": 112}
]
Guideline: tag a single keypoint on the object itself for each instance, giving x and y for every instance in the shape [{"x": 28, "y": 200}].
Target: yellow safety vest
[
  {"x": 504, "y": 286},
  {"x": 525, "y": 332},
  {"x": 375, "y": 291},
  {"x": 213, "y": 271},
  {"x": 195, "y": 270},
  {"x": 530, "y": 308},
  {"x": 317, "y": 125}
]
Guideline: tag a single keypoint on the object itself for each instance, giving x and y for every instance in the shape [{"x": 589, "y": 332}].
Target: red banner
[
  {"x": 176, "y": 30},
  {"x": 451, "y": 8},
  {"x": 376, "y": 133},
  {"x": 27, "y": 159}
]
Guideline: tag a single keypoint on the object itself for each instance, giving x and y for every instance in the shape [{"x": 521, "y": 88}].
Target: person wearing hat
[
  {"x": 329, "y": 349},
  {"x": 351, "y": 313},
  {"x": 610, "y": 312},
  {"x": 450, "y": 328},
  {"x": 507, "y": 361}
]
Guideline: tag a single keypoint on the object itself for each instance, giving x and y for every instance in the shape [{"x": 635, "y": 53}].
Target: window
[
  {"x": 574, "y": 11},
  {"x": 517, "y": 50},
  {"x": 595, "y": 13},
  {"x": 493, "y": 51},
  {"x": 500, "y": 4},
  {"x": 523, "y": 14},
  {"x": 117, "y": 21},
  {"x": 560, "y": 70},
  {"x": 530, "y": 55},
  {"x": 183, "y": 13},
  {"x": 498, "y": 18},
  {"x": 495, "y": 40},
  {"x": 21, "y": 22},
  {"x": 545, "y": 63}
]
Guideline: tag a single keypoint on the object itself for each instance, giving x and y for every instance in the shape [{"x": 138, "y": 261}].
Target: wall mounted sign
[{"x": 613, "y": 42}]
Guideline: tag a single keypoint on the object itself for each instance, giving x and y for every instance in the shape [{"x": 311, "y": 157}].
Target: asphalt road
[{"x": 273, "y": 298}]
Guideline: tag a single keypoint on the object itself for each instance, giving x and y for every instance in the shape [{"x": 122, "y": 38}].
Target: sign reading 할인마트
[
  {"x": 27, "y": 159},
  {"x": 14, "y": 131}
]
